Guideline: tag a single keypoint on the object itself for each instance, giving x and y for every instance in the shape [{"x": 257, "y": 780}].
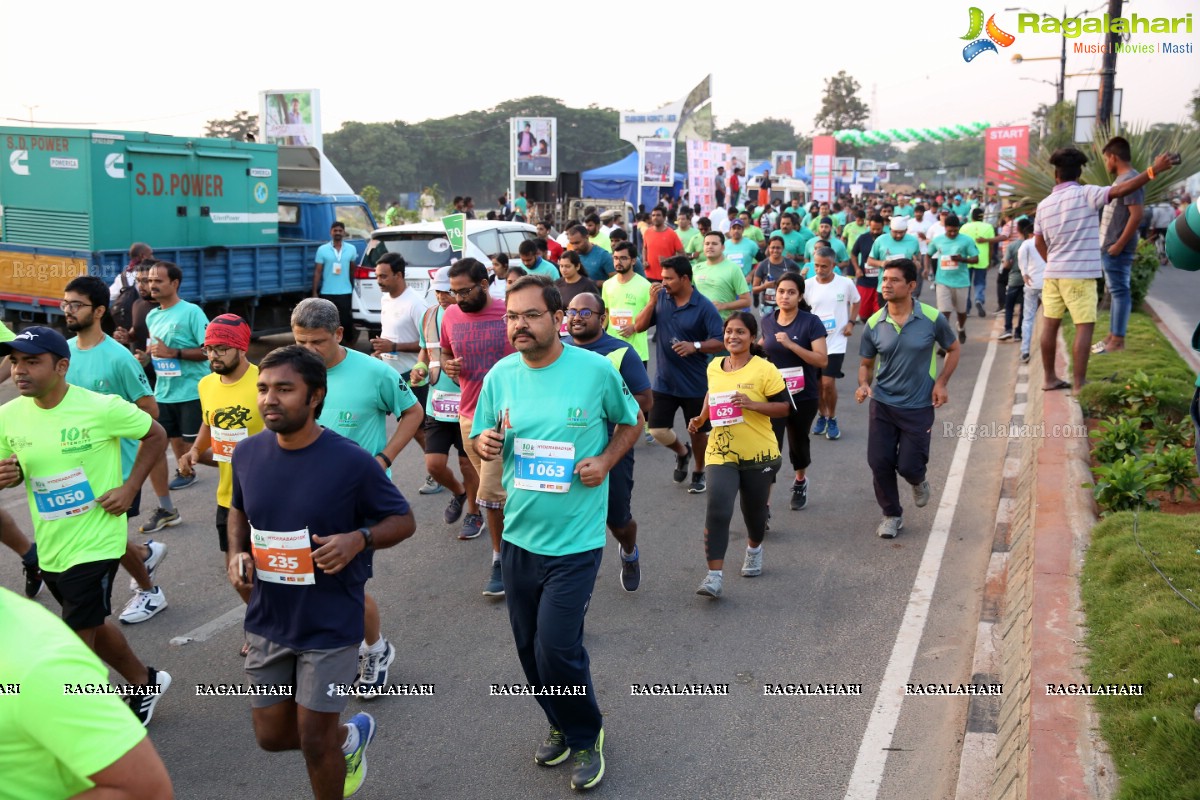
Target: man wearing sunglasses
[{"x": 586, "y": 320}]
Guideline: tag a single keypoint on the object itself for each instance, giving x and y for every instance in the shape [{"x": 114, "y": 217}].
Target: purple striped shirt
[{"x": 1069, "y": 223}]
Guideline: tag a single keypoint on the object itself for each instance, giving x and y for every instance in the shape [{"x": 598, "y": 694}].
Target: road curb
[{"x": 1029, "y": 744}]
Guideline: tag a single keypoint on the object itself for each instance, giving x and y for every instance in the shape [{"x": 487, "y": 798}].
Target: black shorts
[
  {"x": 181, "y": 420},
  {"x": 834, "y": 368},
  {"x": 620, "y": 492},
  {"x": 441, "y": 436},
  {"x": 223, "y": 528},
  {"x": 662, "y": 413},
  {"x": 84, "y": 591},
  {"x": 136, "y": 507}
]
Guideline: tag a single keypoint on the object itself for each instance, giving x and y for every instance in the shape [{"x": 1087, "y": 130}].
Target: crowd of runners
[{"x": 719, "y": 337}]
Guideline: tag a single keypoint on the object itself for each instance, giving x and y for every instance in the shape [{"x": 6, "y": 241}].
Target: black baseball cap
[{"x": 36, "y": 340}]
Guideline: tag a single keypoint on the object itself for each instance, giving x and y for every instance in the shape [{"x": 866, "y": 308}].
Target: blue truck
[{"x": 243, "y": 221}]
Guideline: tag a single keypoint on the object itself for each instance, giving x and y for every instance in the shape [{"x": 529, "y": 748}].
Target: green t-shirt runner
[
  {"x": 51, "y": 741},
  {"x": 886, "y": 248},
  {"x": 623, "y": 301},
  {"x": 793, "y": 243},
  {"x": 953, "y": 275},
  {"x": 840, "y": 253},
  {"x": 980, "y": 230},
  {"x": 559, "y": 415},
  {"x": 71, "y": 455},
  {"x": 180, "y": 327},
  {"x": 693, "y": 242},
  {"x": 109, "y": 368},
  {"x": 362, "y": 392},
  {"x": 722, "y": 282},
  {"x": 444, "y": 390},
  {"x": 852, "y": 231}
]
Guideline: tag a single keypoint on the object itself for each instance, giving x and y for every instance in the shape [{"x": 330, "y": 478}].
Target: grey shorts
[
  {"x": 322, "y": 680},
  {"x": 953, "y": 299}
]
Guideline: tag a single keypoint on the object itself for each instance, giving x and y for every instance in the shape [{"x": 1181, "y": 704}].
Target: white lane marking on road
[
  {"x": 867, "y": 776},
  {"x": 209, "y": 629}
]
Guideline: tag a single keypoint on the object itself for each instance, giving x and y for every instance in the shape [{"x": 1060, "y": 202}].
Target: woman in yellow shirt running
[{"x": 744, "y": 392}]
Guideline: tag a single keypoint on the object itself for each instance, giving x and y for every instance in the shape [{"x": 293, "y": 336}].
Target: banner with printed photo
[
  {"x": 658, "y": 162},
  {"x": 534, "y": 148},
  {"x": 843, "y": 169},
  {"x": 866, "y": 169},
  {"x": 703, "y": 158},
  {"x": 783, "y": 163},
  {"x": 290, "y": 117}
]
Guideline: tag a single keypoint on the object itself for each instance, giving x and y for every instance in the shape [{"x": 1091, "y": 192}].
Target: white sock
[
  {"x": 495, "y": 557},
  {"x": 351, "y": 743},
  {"x": 719, "y": 573},
  {"x": 378, "y": 647},
  {"x": 754, "y": 550}
]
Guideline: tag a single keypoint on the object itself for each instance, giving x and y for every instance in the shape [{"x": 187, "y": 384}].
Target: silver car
[{"x": 426, "y": 249}]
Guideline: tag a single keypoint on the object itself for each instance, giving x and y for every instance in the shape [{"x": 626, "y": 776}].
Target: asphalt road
[{"x": 827, "y": 608}]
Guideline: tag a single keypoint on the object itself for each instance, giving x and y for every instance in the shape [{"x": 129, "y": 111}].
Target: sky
[{"x": 170, "y": 67}]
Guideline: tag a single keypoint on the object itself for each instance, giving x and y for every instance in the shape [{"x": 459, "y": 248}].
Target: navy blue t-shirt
[
  {"x": 630, "y": 365},
  {"x": 696, "y": 321},
  {"x": 331, "y": 486},
  {"x": 805, "y": 329},
  {"x": 861, "y": 252}
]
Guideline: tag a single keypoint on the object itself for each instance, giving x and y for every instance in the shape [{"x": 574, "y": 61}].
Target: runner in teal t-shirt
[
  {"x": 175, "y": 326},
  {"x": 362, "y": 392},
  {"x": 954, "y": 275},
  {"x": 741, "y": 251},
  {"x": 109, "y": 368}
]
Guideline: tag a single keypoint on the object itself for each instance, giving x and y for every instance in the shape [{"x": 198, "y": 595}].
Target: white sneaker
[
  {"x": 158, "y": 551},
  {"x": 143, "y": 605},
  {"x": 374, "y": 673}
]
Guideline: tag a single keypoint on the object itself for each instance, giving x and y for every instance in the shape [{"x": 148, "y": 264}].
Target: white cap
[
  {"x": 899, "y": 223},
  {"x": 441, "y": 280}
]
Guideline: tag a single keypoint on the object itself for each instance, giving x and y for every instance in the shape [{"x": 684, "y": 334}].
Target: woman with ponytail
[
  {"x": 744, "y": 392},
  {"x": 794, "y": 340}
]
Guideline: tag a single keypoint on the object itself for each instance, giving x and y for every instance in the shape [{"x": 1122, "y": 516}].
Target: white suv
[{"x": 425, "y": 250}]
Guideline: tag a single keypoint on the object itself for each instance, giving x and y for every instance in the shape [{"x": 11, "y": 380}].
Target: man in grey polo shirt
[{"x": 902, "y": 335}]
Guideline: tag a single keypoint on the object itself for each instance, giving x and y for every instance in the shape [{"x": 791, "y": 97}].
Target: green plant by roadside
[
  {"x": 1146, "y": 349},
  {"x": 1139, "y": 631},
  {"x": 1166, "y": 433},
  {"x": 1125, "y": 484},
  {"x": 1177, "y": 466},
  {"x": 1140, "y": 395},
  {"x": 1116, "y": 438},
  {"x": 1142, "y": 272}
]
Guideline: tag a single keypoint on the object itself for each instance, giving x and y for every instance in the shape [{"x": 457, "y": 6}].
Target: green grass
[
  {"x": 1139, "y": 631},
  {"x": 1145, "y": 349}
]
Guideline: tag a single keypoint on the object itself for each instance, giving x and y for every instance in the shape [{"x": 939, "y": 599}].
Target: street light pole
[
  {"x": 1062, "y": 64},
  {"x": 1108, "y": 72}
]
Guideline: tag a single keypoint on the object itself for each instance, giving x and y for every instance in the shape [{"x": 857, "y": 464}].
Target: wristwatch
[
  {"x": 367, "y": 538},
  {"x": 697, "y": 346}
]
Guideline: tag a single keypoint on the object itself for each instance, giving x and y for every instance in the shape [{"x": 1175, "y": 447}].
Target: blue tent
[{"x": 619, "y": 180}]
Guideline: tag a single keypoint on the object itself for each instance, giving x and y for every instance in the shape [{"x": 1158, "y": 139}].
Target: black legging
[
  {"x": 725, "y": 481},
  {"x": 797, "y": 424}
]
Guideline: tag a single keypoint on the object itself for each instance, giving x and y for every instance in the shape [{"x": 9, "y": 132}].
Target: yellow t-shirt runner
[
  {"x": 71, "y": 455},
  {"x": 740, "y": 437},
  {"x": 231, "y": 414}
]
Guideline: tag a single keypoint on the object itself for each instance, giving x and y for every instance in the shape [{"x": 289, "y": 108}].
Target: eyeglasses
[
  {"x": 74, "y": 306},
  {"x": 582, "y": 313},
  {"x": 218, "y": 350},
  {"x": 528, "y": 316},
  {"x": 461, "y": 293}
]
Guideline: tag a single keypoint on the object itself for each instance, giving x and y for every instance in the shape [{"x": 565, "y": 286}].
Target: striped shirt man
[{"x": 1068, "y": 222}]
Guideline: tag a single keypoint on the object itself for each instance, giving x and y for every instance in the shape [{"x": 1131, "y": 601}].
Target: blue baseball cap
[{"x": 36, "y": 340}]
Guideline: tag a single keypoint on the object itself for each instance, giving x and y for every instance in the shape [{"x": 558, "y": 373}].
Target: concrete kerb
[{"x": 1031, "y": 745}]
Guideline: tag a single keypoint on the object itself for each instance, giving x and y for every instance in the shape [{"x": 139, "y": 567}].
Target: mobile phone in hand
[{"x": 1175, "y": 158}]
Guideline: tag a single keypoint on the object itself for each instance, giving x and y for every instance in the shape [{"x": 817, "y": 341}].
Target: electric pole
[{"x": 1108, "y": 73}]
